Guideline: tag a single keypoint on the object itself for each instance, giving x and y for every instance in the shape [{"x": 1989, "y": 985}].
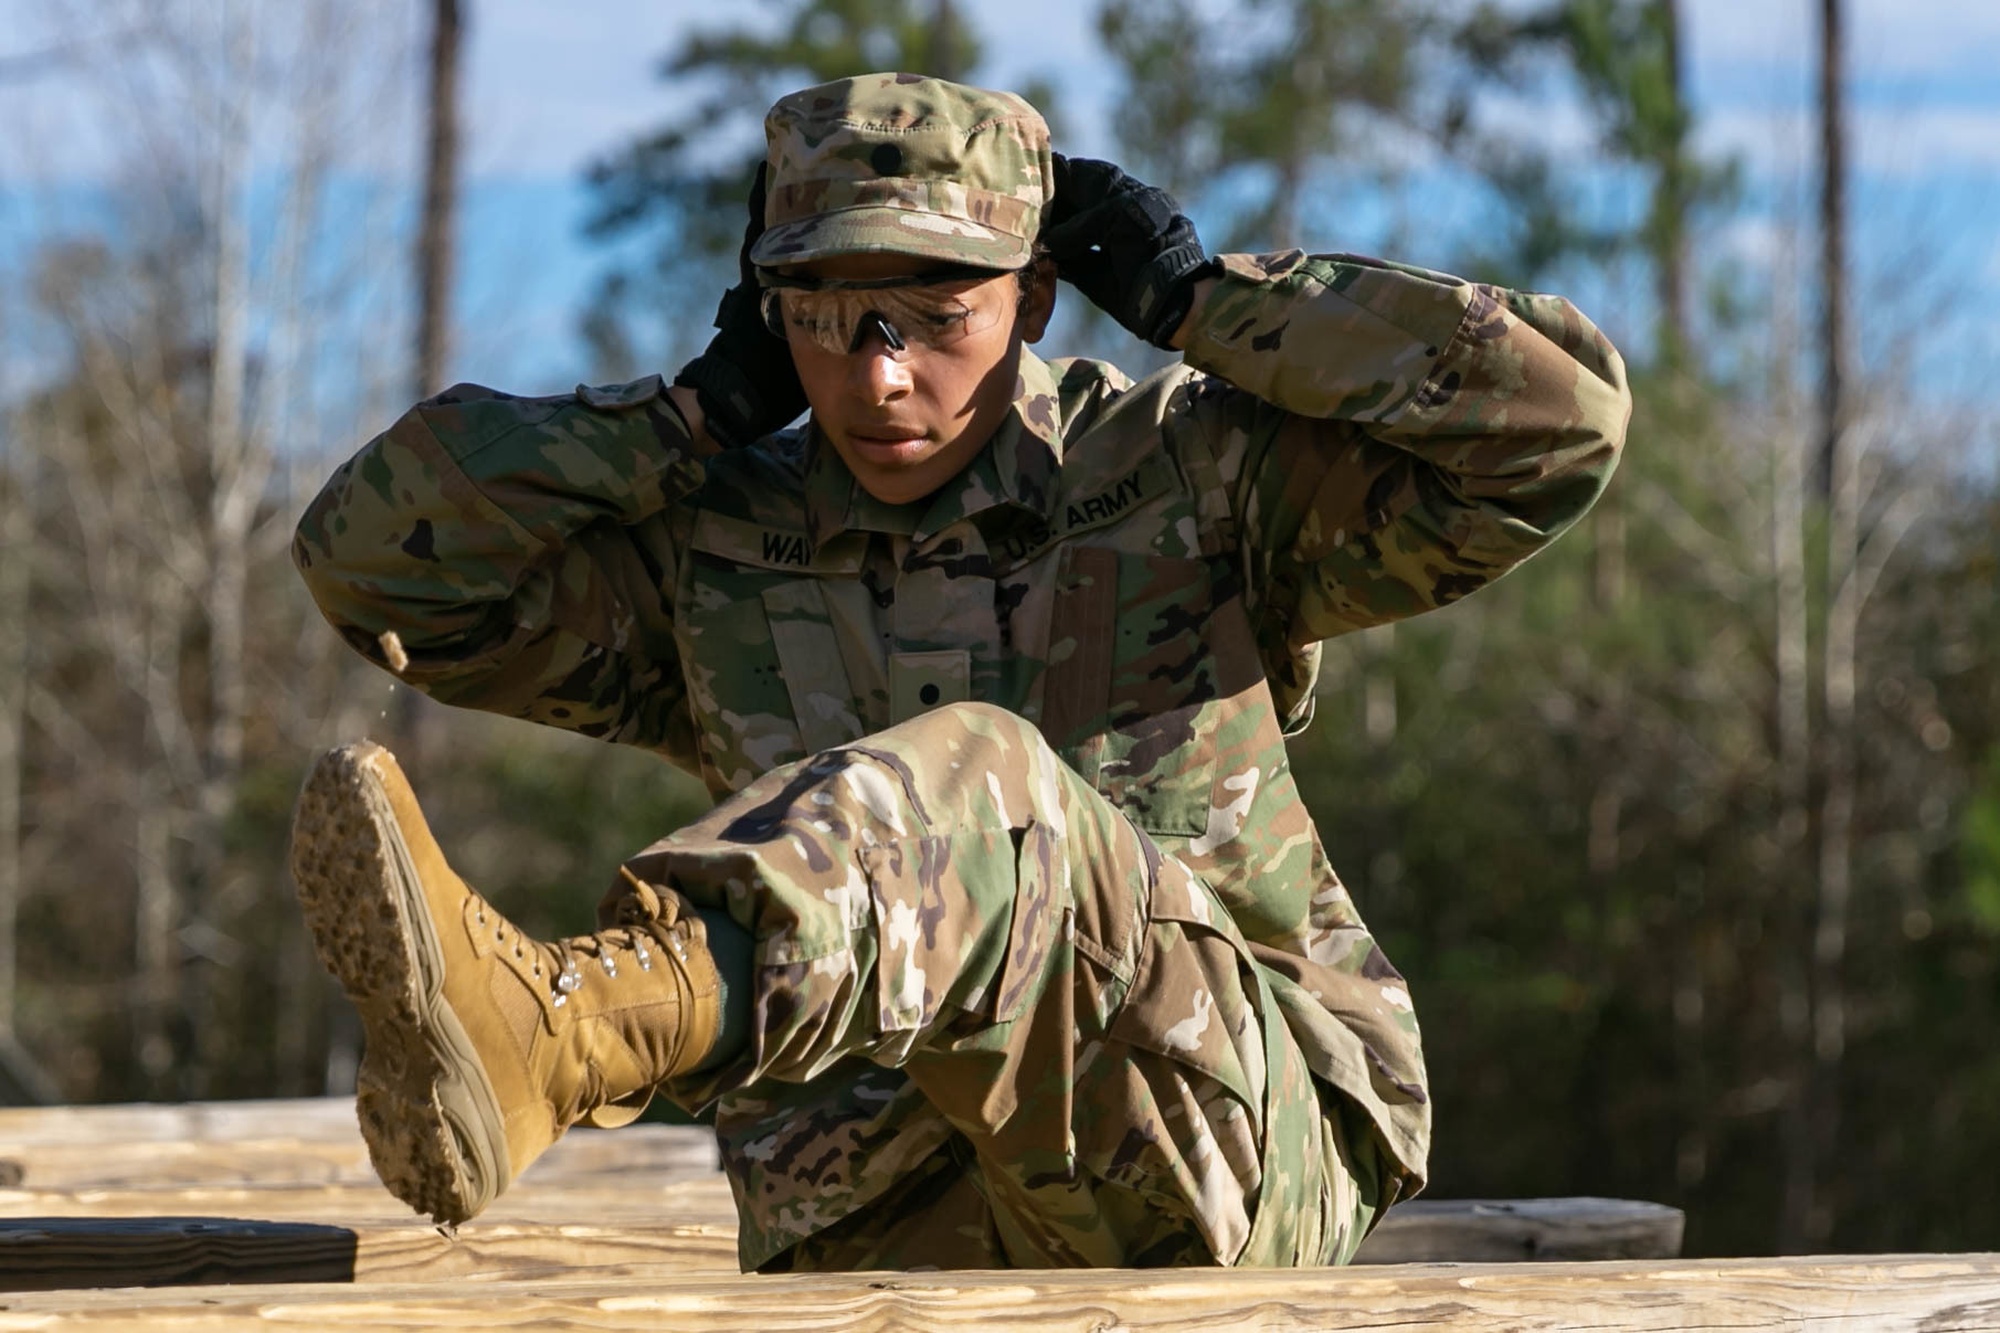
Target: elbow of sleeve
[
  {"x": 1604, "y": 393},
  {"x": 1595, "y": 438}
]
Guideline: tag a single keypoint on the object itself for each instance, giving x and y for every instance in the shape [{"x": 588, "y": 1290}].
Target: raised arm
[
  {"x": 1395, "y": 438},
  {"x": 522, "y": 551}
]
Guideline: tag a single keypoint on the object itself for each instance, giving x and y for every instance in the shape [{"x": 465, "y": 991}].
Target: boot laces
[
  {"x": 566, "y": 963},
  {"x": 577, "y": 956}
]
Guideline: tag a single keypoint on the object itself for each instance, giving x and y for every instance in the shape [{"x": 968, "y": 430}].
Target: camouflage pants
[{"x": 995, "y": 1026}]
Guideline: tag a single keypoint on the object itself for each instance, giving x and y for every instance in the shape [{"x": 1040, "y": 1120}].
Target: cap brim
[{"x": 873, "y": 229}]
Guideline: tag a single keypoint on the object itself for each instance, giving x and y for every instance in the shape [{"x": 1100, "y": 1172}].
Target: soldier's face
[{"x": 906, "y": 421}]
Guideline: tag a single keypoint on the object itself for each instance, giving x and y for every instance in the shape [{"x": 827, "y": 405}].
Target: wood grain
[
  {"x": 125, "y": 1241},
  {"x": 1510, "y": 1230},
  {"x": 309, "y": 1118},
  {"x": 69, "y": 1253},
  {"x": 706, "y": 1201},
  {"x": 1933, "y": 1293},
  {"x": 325, "y": 1154}
]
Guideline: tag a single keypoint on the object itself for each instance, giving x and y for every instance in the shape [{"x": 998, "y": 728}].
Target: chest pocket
[
  {"x": 1131, "y": 682},
  {"x": 767, "y": 679}
]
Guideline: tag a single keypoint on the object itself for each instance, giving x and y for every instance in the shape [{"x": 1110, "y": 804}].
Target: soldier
[{"x": 1010, "y": 941}]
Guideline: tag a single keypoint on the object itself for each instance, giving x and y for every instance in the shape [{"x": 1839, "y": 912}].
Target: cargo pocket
[
  {"x": 1188, "y": 999},
  {"x": 944, "y": 912}
]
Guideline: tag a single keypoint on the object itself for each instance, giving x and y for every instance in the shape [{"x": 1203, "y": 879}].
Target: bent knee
[{"x": 975, "y": 725}]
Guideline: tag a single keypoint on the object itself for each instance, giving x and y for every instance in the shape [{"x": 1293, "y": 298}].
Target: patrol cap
[{"x": 903, "y": 164}]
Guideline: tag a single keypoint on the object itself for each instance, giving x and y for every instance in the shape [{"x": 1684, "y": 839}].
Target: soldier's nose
[{"x": 881, "y": 375}]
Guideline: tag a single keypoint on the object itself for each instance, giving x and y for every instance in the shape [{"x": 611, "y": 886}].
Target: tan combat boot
[{"x": 482, "y": 1045}]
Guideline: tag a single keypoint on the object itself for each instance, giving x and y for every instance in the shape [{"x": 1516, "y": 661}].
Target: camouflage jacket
[{"x": 1145, "y": 571}]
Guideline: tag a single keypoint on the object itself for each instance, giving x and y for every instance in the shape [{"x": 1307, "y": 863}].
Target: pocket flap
[{"x": 1187, "y": 1000}]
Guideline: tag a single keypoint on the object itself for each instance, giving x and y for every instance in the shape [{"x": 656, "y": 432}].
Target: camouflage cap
[{"x": 903, "y": 164}]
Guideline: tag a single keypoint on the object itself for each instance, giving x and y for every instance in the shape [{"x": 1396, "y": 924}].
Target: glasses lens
[{"x": 935, "y": 316}]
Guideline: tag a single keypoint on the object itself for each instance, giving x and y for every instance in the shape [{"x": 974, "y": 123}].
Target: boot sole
[{"x": 428, "y": 1112}]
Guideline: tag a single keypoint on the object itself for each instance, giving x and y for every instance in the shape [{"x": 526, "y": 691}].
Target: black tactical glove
[
  {"x": 1124, "y": 244},
  {"x": 744, "y": 380}
]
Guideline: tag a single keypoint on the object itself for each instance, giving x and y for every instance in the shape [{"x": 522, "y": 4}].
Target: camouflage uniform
[{"x": 1051, "y": 965}]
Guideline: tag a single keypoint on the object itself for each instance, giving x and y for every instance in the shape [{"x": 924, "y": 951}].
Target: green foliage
[
  {"x": 1276, "y": 89},
  {"x": 1624, "y": 57},
  {"x": 679, "y": 192},
  {"x": 1981, "y": 850}
]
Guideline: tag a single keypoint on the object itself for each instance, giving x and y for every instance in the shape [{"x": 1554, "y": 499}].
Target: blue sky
[{"x": 552, "y": 86}]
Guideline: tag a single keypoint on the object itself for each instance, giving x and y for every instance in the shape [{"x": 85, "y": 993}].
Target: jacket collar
[{"x": 1018, "y": 466}]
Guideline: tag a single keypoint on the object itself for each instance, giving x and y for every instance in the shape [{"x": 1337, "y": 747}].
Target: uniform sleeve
[
  {"x": 521, "y": 551},
  {"x": 1391, "y": 438}
]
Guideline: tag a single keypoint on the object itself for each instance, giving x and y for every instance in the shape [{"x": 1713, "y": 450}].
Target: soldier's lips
[{"x": 889, "y": 446}]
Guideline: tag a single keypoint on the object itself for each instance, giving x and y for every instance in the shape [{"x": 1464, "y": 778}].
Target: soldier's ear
[{"x": 1038, "y": 299}]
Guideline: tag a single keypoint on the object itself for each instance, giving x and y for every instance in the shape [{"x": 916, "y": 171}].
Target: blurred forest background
[{"x": 1687, "y": 836}]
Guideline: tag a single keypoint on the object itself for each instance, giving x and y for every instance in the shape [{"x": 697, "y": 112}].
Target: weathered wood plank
[
  {"x": 705, "y": 1200},
  {"x": 1929, "y": 1292},
  {"x": 60, "y": 1254},
  {"x": 325, "y": 1157},
  {"x": 1511, "y": 1230},
  {"x": 688, "y": 1230},
  {"x": 309, "y": 1118},
  {"x": 68, "y": 1253},
  {"x": 1444, "y": 1231},
  {"x": 302, "y": 1161}
]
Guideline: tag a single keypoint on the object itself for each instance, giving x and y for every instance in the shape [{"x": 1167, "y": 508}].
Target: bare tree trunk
[
  {"x": 1285, "y": 202},
  {"x": 1792, "y": 708},
  {"x": 1843, "y": 615},
  {"x": 947, "y": 43},
  {"x": 235, "y": 485},
  {"x": 415, "y": 724},
  {"x": 16, "y": 555},
  {"x": 1833, "y": 240},
  {"x": 1378, "y": 685},
  {"x": 1671, "y": 205},
  {"x": 437, "y": 238},
  {"x": 1808, "y": 1217},
  {"x": 160, "y": 1001}
]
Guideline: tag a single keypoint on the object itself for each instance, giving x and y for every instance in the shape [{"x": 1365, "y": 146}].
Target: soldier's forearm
[
  {"x": 1429, "y": 433},
  {"x": 1334, "y": 337},
  {"x": 1498, "y": 387}
]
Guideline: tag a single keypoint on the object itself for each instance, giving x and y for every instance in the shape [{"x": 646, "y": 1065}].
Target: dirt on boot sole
[{"x": 427, "y": 1110}]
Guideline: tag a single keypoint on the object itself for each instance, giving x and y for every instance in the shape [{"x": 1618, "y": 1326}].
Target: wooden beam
[
  {"x": 292, "y": 1152},
  {"x": 1511, "y": 1230},
  {"x": 1746, "y": 1295},
  {"x": 130, "y": 1240},
  {"x": 310, "y": 1118},
  {"x": 78, "y": 1253},
  {"x": 705, "y": 1201}
]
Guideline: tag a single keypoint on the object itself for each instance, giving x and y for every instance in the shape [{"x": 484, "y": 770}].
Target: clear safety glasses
[{"x": 838, "y": 315}]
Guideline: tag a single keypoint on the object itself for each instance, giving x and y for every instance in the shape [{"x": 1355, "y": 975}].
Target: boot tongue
[{"x": 633, "y": 902}]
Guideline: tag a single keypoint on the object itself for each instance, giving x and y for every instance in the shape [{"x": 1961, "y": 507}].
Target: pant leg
[{"x": 962, "y": 949}]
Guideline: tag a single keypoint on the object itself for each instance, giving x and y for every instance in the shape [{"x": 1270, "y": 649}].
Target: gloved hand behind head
[
  {"x": 1124, "y": 244},
  {"x": 744, "y": 380}
]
